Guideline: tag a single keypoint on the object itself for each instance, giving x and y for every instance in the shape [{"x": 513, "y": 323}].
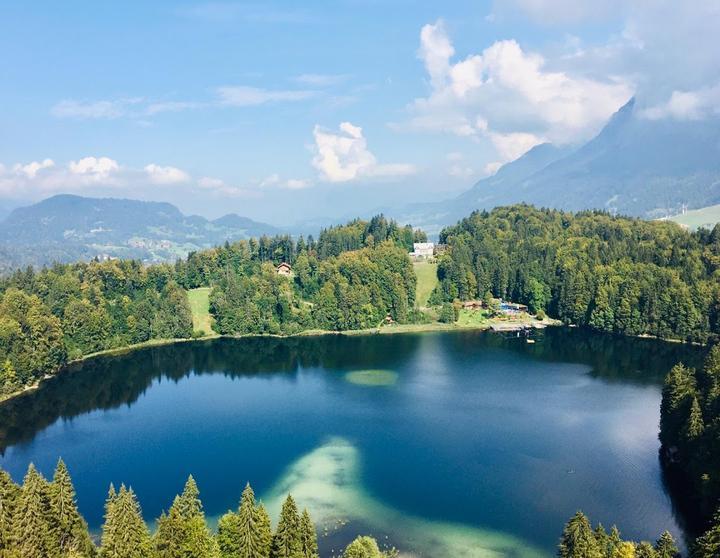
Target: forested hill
[
  {"x": 614, "y": 274},
  {"x": 68, "y": 228},
  {"x": 352, "y": 277}
]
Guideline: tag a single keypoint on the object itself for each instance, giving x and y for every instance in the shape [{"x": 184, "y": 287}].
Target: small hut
[{"x": 284, "y": 269}]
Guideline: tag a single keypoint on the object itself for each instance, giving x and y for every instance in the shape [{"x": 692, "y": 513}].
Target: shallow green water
[{"x": 450, "y": 444}]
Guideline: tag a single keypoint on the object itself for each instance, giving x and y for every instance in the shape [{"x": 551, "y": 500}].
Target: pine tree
[
  {"x": 308, "y": 536},
  {"x": 665, "y": 546},
  {"x": 30, "y": 525},
  {"x": 645, "y": 550},
  {"x": 578, "y": 539},
  {"x": 228, "y": 535},
  {"x": 625, "y": 550},
  {"x": 9, "y": 495},
  {"x": 708, "y": 546},
  {"x": 188, "y": 503},
  {"x": 125, "y": 534},
  {"x": 68, "y": 529},
  {"x": 694, "y": 426},
  {"x": 183, "y": 533},
  {"x": 265, "y": 531},
  {"x": 286, "y": 542}
]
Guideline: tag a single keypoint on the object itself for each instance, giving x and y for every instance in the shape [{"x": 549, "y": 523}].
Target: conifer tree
[
  {"x": 30, "y": 525},
  {"x": 708, "y": 546},
  {"x": 645, "y": 550},
  {"x": 626, "y": 549},
  {"x": 665, "y": 546},
  {"x": 308, "y": 536},
  {"x": 183, "y": 533},
  {"x": 578, "y": 539},
  {"x": 125, "y": 534},
  {"x": 249, "y": 536},
  {"x": 228, "y": 535},
  {"x": 9, "y": 495},
  {"x": 363, "y": 547},
  {"x": 286, "y": 541},
  {"x": 265, "y": 530},
  {"x": 694, "y": 426},
  {"x": 68, "y": 529}
]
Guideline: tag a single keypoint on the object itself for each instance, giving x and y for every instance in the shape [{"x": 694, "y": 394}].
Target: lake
[{"x": 443, "y": 444}]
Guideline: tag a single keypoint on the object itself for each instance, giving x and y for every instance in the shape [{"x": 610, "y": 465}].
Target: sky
[{"x": 292, "y": 111}]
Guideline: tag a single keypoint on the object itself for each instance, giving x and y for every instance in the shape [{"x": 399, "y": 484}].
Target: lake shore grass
[{"x": 199, "y": 300}]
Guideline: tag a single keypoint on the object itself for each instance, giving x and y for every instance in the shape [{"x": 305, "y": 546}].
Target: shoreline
[{"x": 396, "y": 329}]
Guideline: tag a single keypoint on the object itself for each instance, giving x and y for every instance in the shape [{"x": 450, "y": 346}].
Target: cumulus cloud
[
  {"x": 94, "y": 168},
  {"x": 687, "y": 105},
  {"x": 507, "y": 95},
  {"x": 166, "y": 175},
  {"x": 30, "y": 170},
  {"x": 244, "y": 96},
  {"x": 344, "y": 156}
]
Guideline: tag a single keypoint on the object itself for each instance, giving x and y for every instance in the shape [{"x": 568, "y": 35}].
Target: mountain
[
  {"x": 67, "y": 228},
  {"x": 634, "y": 166}
]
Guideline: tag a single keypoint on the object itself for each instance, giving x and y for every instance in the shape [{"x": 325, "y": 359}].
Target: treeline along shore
[{"x": 615, "y": 274}]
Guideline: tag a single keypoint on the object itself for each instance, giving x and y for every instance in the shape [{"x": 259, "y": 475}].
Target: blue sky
[{"x": 285, "y": 111}]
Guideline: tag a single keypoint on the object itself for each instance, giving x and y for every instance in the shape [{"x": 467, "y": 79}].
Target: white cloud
[
  {"x": 31, "y": 169},
  {"x": 244, "y": 96},
  {"x": 508, "y": 96},
  {"x": 687, "y": 105},
  {"x": 344, "y": 156},
  {"x": 96, "y": 168},
  {"x": 109, "y": 110},
  {"x": 171, "y": 106},
  {"x": 166, "y": 175},
  {"x": 220, "y": 188}
]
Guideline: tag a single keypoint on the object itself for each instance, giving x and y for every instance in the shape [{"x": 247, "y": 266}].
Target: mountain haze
[
  {"x": 67, "y": 227},
  {"x": 634, "y": 166}
]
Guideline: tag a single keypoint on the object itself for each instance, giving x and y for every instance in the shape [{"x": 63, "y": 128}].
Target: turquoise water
[{"x": 482, "y": 445}]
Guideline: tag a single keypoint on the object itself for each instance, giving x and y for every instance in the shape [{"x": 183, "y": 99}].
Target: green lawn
[
  {"x": 705, "y": 217},
  {"x": 426, "y": 274},
  {"x": 200, "y": 306},
  {"x": 472, "y": 318}
]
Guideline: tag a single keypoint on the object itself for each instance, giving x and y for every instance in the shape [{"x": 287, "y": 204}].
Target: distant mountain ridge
[
  {"x": 68, "y": 227},
  {"x": 634, "y": 166}
]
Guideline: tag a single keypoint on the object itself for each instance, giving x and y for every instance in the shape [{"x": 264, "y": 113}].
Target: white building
[{"x": 423, "y": 250}]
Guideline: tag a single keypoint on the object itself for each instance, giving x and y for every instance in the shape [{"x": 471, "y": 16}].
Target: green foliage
[
  {"x": 245, "y": 534},
  {"x": 579, "y": 540},
  {"x": 68, "y": 529},
  {"x": 308, "y": 537},
  {"x": 286, "y": 542},
  {"x": 690, "y": 428},
  {"x": 610, "y": 273},
  {"x": 9, "y": 500},
  {"x": 708, "y": 546},
  {"x": 31, "y": 525},
  {"x": 125, "y": 534},
  {"x": 366, "y": 547}
]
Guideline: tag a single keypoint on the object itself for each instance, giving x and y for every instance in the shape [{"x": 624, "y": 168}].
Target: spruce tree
[
  {"x": 362, "y": 547},
  {"x": 125, "y": 534},
  {"x": 578, "y": 539},
  {"x": 183, "y": 533},
  {"x": 286, "y": 541},
  {"x": 228, "y": 535},
  {"x": 308, "y": 536},
  {"x": 9, "y": 495},
  {"x": 665, "y": 546},
  {"x": 31, "y": 527},
  {"x": 645, "y": 550},
  {"x": 626, "y": 549},
  {"x": 68, "y": 529},
  {"x": 250, "y": 541},
  {"x": 265, "y": 530},
  {"x": 708, "y": 546},
  {"x": 694, "y": 426}
]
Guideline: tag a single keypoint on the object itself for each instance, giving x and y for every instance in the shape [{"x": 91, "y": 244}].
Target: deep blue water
[{"x": 479, "y": 429}]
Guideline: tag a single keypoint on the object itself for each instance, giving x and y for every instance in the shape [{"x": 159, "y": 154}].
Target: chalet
[
  {"x": 284, "y": 269},
  {"x": 513, "y": 308},
  {"x": 472, "y": 304},
  {"x": 423, "y": 250}
]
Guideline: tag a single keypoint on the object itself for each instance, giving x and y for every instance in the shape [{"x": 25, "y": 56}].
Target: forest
[
  {"x": 352, "y": 277},
  {"x": 690, "y": 430},
  {"x": 40, "y": 519},
  {"x": 614, "y": 274}
]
